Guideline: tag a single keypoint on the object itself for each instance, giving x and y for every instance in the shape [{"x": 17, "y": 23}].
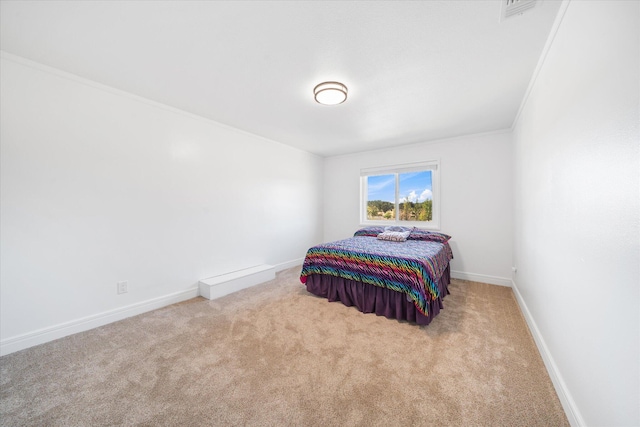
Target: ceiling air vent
[{"x": 511, "y": 8}]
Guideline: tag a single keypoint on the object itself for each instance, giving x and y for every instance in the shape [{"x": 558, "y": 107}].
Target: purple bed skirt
[{"x": 373, "y": 299}]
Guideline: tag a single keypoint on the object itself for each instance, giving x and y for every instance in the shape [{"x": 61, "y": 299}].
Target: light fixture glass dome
[{"x": 330, "y": 93}]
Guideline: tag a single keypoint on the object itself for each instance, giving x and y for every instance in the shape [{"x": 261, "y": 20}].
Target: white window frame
[{"x": 432, "y": 165}]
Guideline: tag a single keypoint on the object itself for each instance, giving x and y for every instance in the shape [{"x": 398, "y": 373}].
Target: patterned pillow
[
  {"x": 394, "y": 236},
  {"x": 432, "y": 236},
  {"x": 398, "y": 228},
  {"x": 369, "y": 231}
]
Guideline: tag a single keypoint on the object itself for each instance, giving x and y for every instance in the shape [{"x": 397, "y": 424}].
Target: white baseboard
[
  {"x": 289, "y": 264},
  {"x": 568, "y": 404},
  {"x": 225, "y": 284},
  {"x": 41, "y": 336},
  {"x": 44, "y": 335},
  {"x": 482, "y": 278}
]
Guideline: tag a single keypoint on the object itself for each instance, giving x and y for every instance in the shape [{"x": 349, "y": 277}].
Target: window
[{"x": 401, "y": 195}]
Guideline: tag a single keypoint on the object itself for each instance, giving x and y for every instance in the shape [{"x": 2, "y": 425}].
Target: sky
[{"x": 416, "y": 186}]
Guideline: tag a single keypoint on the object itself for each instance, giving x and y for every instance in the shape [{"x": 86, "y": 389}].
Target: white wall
[
  {"x": 98, "y": 186},
  {"x": 577, "y": 234},
  {"x": 476, "y": 197}
]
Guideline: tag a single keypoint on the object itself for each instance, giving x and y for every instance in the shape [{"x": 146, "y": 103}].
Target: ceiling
[{"x": 416, "y": 71}]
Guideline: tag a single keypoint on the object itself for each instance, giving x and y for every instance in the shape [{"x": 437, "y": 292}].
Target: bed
[{"x": 397, "y": 272}]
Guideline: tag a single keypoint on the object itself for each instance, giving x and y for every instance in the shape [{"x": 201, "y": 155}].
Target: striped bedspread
[{"x": 411, "y": 267}]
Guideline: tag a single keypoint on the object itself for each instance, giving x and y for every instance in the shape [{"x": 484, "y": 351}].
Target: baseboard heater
[{"x": 224, "y": 284}]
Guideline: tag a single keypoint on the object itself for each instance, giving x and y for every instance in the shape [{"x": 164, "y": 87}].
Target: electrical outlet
[{"x": 122, "y": 287}]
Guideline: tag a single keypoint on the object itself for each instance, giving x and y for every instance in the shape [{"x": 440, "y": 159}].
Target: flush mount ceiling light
[{"x": 330, "y": 93}]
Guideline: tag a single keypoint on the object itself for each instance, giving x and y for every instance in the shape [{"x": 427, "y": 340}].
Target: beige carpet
[{"x": 275, "y": 355}]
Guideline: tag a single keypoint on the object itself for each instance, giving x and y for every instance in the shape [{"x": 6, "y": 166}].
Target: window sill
[{"x": 425, "y": 226}]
